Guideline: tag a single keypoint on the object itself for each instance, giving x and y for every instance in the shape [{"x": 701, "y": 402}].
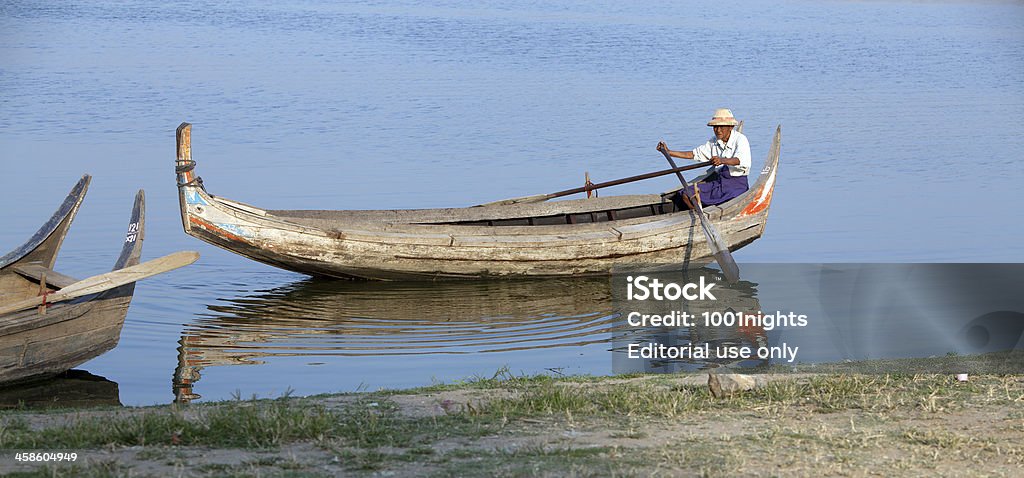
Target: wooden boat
[
  {"x": 615, "y": 234},
  {"x": 52, "y": 339}
]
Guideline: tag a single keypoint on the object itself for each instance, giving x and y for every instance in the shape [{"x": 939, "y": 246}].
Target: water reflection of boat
[
  {"x": 319, "y": 319},
  {"x": 60, "y": 335},
  {"x": 71, "y": 389},
  {"x": 329, "y": 318}
]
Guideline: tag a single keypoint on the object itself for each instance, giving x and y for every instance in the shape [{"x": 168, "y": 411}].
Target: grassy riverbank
[{"x": 809, "y": 425}]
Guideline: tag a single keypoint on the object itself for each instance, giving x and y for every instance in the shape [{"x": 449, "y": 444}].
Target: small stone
[{"x": 725, "y": 384}]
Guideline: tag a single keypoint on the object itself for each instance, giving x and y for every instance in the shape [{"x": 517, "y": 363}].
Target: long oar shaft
[
  {"x": 614, "y": 182},
  {"x": 109, "y": 280}
]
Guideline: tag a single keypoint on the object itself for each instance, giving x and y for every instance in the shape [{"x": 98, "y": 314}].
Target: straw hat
[{"x": 723, "y": 117}]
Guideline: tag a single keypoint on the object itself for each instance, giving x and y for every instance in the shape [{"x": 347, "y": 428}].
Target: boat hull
[{"x": 61, "y": 339}]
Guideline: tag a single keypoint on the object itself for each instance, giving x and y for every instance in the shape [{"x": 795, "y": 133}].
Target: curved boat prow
[
  {"x": 765, "y": 184},
  {"x": 184, "y": 168},
  {"x": 43, "y": 246},
  {"x": 131, "y": 250}
]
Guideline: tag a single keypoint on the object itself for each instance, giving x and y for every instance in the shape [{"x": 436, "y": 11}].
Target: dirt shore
[{"x": 829, "y": 425}]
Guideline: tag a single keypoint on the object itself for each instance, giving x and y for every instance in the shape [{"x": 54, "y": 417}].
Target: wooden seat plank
[{"x": 54, "y": 279}]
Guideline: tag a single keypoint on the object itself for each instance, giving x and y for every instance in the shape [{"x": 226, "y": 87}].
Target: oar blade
[
  {"x": 127, "y": 275},
  {"x": 103, "y": 282},
  {"x": 723, "y": 256},
  {"x": 720, "y": 251}
]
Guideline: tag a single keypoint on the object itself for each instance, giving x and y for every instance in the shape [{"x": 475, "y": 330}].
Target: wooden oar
[
  {"x": 719, "y": 248},
  {"x": 614, "y": 182},
  {"x": 110, "y": 280}
]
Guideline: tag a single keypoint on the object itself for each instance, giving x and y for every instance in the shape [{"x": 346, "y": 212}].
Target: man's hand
[
  {"x": 726, "y": 161},
  {"x": 662, "y": 146}
]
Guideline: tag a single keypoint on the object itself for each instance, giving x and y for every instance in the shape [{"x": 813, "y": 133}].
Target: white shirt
[{"x": 736, "y": 147}]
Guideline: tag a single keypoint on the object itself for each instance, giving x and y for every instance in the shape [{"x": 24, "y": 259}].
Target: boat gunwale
[{"x": 385, "y": 225}]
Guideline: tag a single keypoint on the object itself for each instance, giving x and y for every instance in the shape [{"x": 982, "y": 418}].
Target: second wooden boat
[{"x": 59, "y": 336}]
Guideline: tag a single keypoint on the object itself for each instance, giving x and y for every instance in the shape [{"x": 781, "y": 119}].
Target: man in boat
[{"x": 727, "y": 148}]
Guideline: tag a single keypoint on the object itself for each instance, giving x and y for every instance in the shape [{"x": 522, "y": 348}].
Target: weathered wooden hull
[
  {"x": 43, "y": 342},
  {"x": 65, "y": 337},
  {"x": 432, "y": 244}
]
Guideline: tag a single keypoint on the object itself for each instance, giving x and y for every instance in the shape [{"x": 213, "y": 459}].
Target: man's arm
[{"x": 675, "y": 154}]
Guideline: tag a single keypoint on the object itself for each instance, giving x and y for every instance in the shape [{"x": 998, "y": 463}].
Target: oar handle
[{"x": 664, "y": 150}]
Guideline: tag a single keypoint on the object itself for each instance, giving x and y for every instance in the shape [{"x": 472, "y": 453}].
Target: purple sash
[{"x": 720, "y": 187}]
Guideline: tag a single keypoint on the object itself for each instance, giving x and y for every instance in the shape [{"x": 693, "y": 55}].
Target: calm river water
[{"x": 902, "y": 142}]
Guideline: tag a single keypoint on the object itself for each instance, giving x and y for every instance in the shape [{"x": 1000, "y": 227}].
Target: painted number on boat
[{"x": 133, "y": 230}]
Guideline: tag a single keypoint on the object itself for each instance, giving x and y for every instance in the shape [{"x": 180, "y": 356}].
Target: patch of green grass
[
  {"x": 367, "y": 423},
  {"x": 824, "y": 394},
  {"x": 373, "y": 422},
  {"x": 15, "y": 423},
  {"x": 995, "y": 363},
  {"x": 249, "y": 424},
  {"x": 849, "y": 392},
  {"x": 13, "y": 426},
  {"x": 540, "y": 399},
  {"x": 502, "y": 379},
  {"x": 938, "y": 438},
  {"x": 368, "y": 433}
]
